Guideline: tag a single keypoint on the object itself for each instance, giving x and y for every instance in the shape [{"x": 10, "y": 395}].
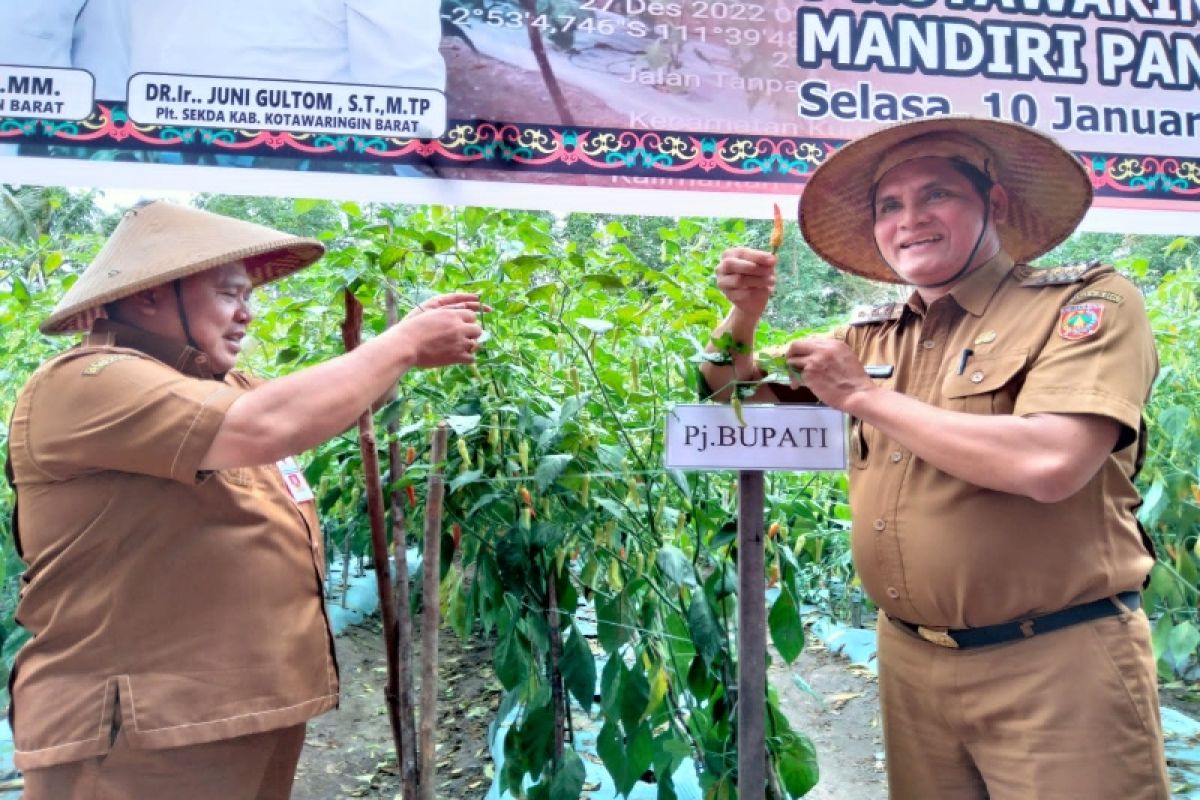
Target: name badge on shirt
[{"x": 293, "y": 479}]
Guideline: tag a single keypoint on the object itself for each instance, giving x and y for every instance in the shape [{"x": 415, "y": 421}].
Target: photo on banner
[{"x": 657, "y": 106}]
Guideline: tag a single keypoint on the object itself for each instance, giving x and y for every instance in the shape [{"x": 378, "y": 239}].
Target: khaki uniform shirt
[
  {"x": 936, "y": 550},
  {"x": 185, "y": 606}
]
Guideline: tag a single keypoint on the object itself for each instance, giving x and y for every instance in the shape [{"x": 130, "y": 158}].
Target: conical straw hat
[
  {"x": 1048, "y": 189},
  {"x": 159, "y": 242}
]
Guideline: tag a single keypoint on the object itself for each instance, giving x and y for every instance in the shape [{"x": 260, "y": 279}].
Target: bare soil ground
[{"x": 348, "y": 752}]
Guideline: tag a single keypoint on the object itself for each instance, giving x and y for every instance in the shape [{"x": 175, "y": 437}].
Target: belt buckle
[{"x": 935, "y": 636}]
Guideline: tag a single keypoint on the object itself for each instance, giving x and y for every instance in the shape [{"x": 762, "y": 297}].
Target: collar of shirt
[
  {"x": 188, "y": 360},
  {"x": 976, "y": 290}
]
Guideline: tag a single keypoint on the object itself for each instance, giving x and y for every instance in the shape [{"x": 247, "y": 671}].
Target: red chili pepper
[
  {"x": 410, "y": 455},
  {"x": 777, "y": 231},
  {"x": 456, "y": 534},
  {"x": 412, "y": 496}
]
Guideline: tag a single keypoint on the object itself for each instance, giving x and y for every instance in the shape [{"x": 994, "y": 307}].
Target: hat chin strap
[
  {"x": 961, "y": 271},
  {"x": 187, "y": 331}
]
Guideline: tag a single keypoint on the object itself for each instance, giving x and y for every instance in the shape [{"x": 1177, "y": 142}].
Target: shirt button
[
  {"x": 929, "y": 344},
  {"x": 897, "y": 457},
  {"x": 977, "y": 376},
  {"x": 893, "y": 592},
  {"x": 201, "y": 359},
  {"x": 880, "y": 524}
]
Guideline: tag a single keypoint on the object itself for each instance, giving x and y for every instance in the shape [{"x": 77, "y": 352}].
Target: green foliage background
[{"x": 554, "y": 473}]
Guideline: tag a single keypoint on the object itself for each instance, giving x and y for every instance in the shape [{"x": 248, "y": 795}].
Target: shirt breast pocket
[{"x": 988, "y": 384}]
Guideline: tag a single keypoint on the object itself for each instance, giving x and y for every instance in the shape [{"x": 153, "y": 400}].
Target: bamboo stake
[
  {"x": 431, "y": 610},
  {"x": 351, "y": 336},
  {"x": 751, "y": 639},
  {"x": 408, "y": 724}
]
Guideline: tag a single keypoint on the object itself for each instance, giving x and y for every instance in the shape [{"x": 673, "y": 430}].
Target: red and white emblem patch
[{"x": 1079, "y": 321}]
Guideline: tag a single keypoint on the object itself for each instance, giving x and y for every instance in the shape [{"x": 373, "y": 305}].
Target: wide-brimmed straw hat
[
  {"x": 1048, "y": 189},
  {"x": 159, "y": 242}
]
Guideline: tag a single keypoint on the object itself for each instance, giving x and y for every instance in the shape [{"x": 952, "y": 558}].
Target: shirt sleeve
[
  {"x": 122, "y": 411},
  {"x": 1099, "y": 358}
]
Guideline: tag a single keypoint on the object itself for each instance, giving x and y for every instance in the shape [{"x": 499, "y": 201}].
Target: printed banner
[{"x": 690, "y": 106}]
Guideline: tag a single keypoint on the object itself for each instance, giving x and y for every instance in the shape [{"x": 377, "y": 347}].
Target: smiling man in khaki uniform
[
  {"x": 175, "y": 564},
  {"x": 992, "y": 469}
]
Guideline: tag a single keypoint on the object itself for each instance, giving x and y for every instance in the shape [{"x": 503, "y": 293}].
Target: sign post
[{"x": 789, "y": 437}]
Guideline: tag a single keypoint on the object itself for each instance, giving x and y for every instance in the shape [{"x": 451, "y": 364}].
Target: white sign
[
  {"x": 46, "y": 93},
  {"x": 270, "y": 105},
  {"x": 710, "y": 436}
]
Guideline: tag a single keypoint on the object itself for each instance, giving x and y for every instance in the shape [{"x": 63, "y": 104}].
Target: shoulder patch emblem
[
  {"x": 1079, "y": 321},
  {"x": 866, "y": 315},
  {"x": 1095, "y": 294},
  {"x": 99, "y": 364},
  {"x": 1053, "y": 276}
]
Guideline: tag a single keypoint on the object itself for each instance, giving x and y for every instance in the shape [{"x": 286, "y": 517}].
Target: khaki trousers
[
  {"x": 1068, "y": 715},
  {"x": 256, "y": 767}
]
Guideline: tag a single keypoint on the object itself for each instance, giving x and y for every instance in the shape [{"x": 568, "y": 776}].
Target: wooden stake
[
  {"x": 351, "y": 336},
  {"x": 752, "y": 639},
  {"x": 558, "y": 699},
  {"x": 431, "y": 611},
  {"x": 404, "y": 677}
]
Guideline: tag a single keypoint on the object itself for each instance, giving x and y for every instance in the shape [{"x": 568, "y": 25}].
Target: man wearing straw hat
[
  {"x": 993, "y": 451},
  {"x": 174, "y": 582}
]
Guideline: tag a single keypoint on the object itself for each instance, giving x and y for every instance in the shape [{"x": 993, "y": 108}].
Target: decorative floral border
[{"x": 529, "y": 147}]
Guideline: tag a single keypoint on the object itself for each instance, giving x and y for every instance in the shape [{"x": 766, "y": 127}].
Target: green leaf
[
  {"x": 463, "y": 425},
  {"x": 675, "y": 567},
  {"x": 578, "y": 667},
  {"x": 1153, "y": 504},
  {"x": 787, "y": 631},
  {"x": 390, "y": 414},
  {"x": 797, "y": 764},
  {"x": 702, "y": 625},
  {"x": 1160, "y": 638},
  {"x": 434, "y": 242},
  {"x": 391, "y": 255},
  {"x": 550, "y": 467},
  {"x": 613, "y": 621},
  {"x": 568, "y": 778},
  {"x": 303, "y": 205},
  {"x": 1183, "y": 642},
  {"x": 543, "y": 292},
  {"x": 611, "y": 749},
  {"x": 611, "y": 680},
  {"x": 596, "y": 326},
  {"x": 635, "y": 694},
  {"x": 522, "y": 267},
  {"x": 464, "y": 479},
  {"x": 614, "y": 509},
  {"x": 679, "y": 478},
  {"x": 20, "y": 291},
  {"x": 508, "y": 659},
  {"x": 639, "y": 753},
  {"x": 537, "y": 735},
  {"x": 604, "y": 280}
]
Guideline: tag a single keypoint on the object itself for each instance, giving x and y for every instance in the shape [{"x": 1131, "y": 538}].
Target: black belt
[{"x": 963, "y": 638}]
